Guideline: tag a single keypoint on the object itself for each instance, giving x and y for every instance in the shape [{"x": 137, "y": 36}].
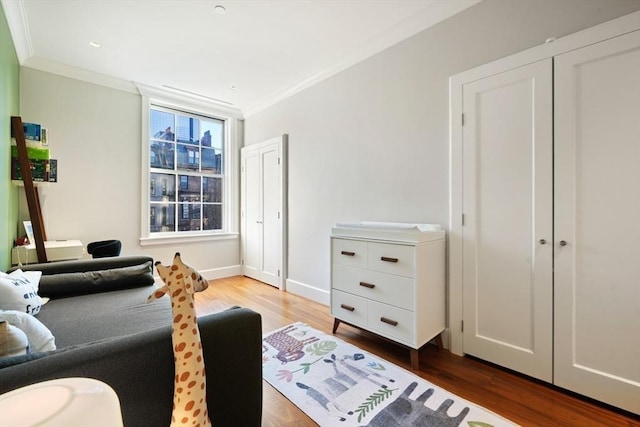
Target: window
[
  {"x": 186, "y": 173},
  {"x": 190, "y": 171}
]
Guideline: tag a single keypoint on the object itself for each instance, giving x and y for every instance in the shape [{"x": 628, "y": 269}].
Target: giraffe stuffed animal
[{"x": 190, "y": 389}]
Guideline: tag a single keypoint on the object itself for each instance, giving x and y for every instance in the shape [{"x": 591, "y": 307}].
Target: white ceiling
[{"x": 257, "y": 53}]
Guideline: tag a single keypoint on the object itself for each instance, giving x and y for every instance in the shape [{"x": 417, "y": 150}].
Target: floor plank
[{"x": 523, "y": 400}]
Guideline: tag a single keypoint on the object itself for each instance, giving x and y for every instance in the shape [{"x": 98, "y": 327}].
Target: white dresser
[{"x": 390, "y": 281}]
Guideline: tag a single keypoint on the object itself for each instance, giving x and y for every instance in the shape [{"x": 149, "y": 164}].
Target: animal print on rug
[{"x": 338, "y": 384}]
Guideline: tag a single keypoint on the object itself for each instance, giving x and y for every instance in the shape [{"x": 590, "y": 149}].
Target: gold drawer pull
[
  {"x": 388, "y": 321},
  {"x": 347, "y": 253},
  {"x": 367, "y": 285},
  {"x": 387, "y": 259},
  {"x": 347, "y": 307}
]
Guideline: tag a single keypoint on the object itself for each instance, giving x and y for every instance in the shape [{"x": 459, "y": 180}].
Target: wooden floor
[{"x": 518, "y": 398}]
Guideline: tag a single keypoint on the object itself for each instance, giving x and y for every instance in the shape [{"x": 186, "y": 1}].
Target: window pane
[
  {"x": 212, "y": 133},
  {"x": 212, "y": 219},
  {"x": 188, "y": 130},
  {"x": 188, "y": 157},
  {"x": 162, "y": 187},
  {"x": 162, "y": 124},
  {"x": 162, "y": 217},
  {"x": 189, "y": 188},
  {"x": 189, "y": 216},
  {"x": 211, "y": 189},
  {"x": 161, "y": 155},
  {"x": 211, "y": 160}
]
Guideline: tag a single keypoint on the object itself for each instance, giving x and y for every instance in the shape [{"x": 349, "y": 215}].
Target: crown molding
[
  {"x": 53, "y": 67},
  {"x": 19, "y": 28},
  {"x": 428, "y": 17}
]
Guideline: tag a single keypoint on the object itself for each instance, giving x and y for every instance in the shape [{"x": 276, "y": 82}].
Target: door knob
[
  {"x": 543, "y": 242},
  {"x": 563, "y": 243}
]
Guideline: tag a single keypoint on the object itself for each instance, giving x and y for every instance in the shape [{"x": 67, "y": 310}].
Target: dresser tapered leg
[
  {"x": 415, "y": 359},
  {"x": 439, "y": 341},
  {"x": 336, "y": 323}
]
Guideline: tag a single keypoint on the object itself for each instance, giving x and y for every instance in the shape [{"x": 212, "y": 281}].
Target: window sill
[{"x": 170, "y": 240}]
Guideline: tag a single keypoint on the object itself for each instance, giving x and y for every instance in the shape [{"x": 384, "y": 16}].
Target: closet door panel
[
  {"x": 271, "y": 226},
  {"x": 252, "y": 202},
  {"x": 597, "y": 214},
  {"x": 507, "y": 205}
]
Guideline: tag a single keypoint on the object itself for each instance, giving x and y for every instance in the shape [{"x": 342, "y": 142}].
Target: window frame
[{"x": 201, "y": 107}]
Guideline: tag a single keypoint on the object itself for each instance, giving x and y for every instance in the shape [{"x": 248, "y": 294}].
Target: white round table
[{"x": 68, "y": 402}]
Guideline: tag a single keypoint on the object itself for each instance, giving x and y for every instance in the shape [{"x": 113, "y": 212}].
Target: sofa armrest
[
  {"x": 232, "y": 346},
  {"x": 140, "y": 369}
]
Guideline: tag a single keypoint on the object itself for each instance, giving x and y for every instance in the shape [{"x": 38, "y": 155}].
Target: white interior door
[
  {"x": 271, "y": 221},
  {"x": 597, "y": 214},
  {"x": 263, "y": 200},
  {"x": 251, "y": 230},
  {"x": 507, "y": 231}
]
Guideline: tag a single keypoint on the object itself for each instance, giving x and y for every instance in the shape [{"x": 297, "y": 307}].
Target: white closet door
[
  {"x": 271, "y": 221},
  {"x": 251, "y": 214},
  {"x": 597, "y": 215},
  {"x": 507, "y": 232},
  {"x": 263, "y": 211}
]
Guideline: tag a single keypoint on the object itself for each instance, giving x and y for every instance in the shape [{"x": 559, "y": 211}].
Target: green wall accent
[{"x": 9, "y": 106}]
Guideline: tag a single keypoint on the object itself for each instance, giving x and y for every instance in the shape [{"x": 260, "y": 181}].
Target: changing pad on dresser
[{"x": 390, "y": 231}]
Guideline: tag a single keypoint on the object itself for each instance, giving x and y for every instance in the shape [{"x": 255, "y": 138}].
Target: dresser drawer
[
  {"x": 348, "y": 307},
  {"x": 349, "y": 252},
  {"x": 392, "y": 322},
  {"x": 394, "y": 290},
  {"x": 392, "y": 259}
]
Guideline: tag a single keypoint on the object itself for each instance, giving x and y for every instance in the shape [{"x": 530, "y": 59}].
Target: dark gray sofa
[{"x": 105, "y": 329}]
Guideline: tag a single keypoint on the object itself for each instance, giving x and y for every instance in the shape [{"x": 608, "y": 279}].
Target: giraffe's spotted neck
[{"x": 189, "y": 397}]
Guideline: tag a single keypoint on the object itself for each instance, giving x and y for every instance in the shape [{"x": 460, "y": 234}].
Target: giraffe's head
[{"x": 178, "y": 277}]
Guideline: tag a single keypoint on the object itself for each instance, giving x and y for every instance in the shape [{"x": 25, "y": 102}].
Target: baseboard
[
  {"x": 307, "y": 291},
  {"x": 221, "y": 273},
  {"x": 212, "y": 274}
]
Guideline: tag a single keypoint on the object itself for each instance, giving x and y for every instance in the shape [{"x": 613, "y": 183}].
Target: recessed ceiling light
[
  {"x": 94, "y": 44},
  {"x": 220, "y": 10}
]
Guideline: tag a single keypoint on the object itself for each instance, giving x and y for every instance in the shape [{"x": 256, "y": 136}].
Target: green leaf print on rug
[{"x": 372, "y": 401}]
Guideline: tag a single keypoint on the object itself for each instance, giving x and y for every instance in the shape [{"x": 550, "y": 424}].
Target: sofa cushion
[
  {"x": 89, "y": 282},
  {"x": 86, "y": 318},
  {"x": 19, "y": 291}
]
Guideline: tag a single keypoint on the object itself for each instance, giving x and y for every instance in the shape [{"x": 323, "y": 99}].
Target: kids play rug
[{"x": 338, "y": 384}]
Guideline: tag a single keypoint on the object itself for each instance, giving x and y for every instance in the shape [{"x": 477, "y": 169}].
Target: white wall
[
  {"x": 371, "y": 143},
  {"x": 95, "y": 134}
]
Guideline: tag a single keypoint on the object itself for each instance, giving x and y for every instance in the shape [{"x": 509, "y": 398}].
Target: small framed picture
[{"x": 28, "y": 229}]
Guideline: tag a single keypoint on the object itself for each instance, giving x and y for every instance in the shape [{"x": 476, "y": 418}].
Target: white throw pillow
[
  {"x": 19, "y": 291},
  {"x": 40, "y": 337},
  {"x": 13, "y": 341}
]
